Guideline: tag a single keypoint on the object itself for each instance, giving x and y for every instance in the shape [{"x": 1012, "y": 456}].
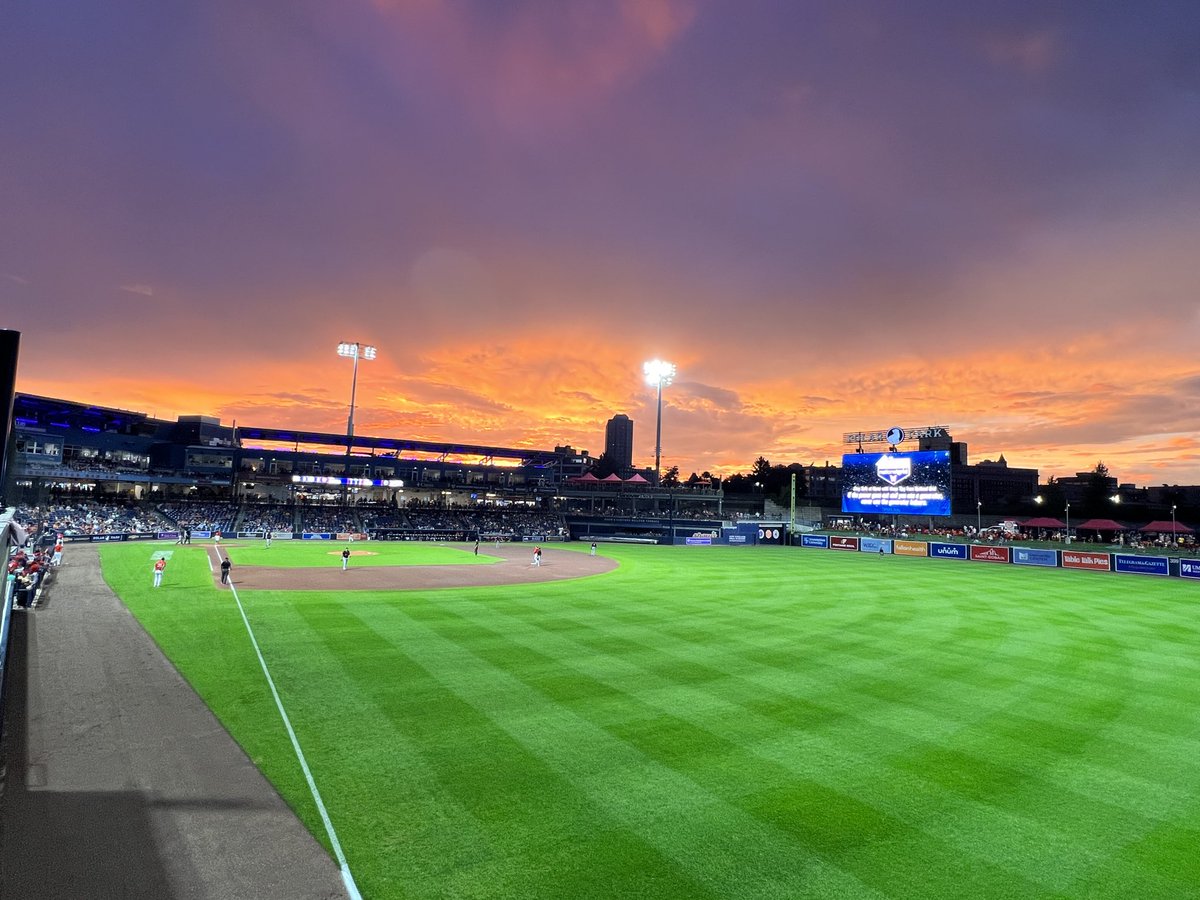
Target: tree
[
  {"x": 670, "y": 477},
  {"x": 1098, "y": 491}
]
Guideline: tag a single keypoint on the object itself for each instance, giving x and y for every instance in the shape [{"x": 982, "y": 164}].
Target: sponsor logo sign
[
  {"x": 1075, "y": 559},
  {"x": 989, "y": 554},
  {"x": 105, "y": 538},
  {"x": 202, "y": 534},
  {"x": 841, "y": 542},
  {"x": 281, "y": 535},
  {"x": 768, "y": 534},
  {"x": 738, "y": 539},
  {"x": 250, "y": 534},
  {"x": 1142, "y": 565},
  {"x": 815, "y": 540},
  {"x": 1189, "y": 568},
  {"x": 874, "y": 545},
  {"x": 893, "y": 468},
  {"x": 1028, "y": 556},
  {"x": 910, "y": 548},
  {"x": 168, "y": 535},
  {"x": 316, "y": 536},
  {"x": 948, "y": 551},
  {"x": 700, "y": 540}
]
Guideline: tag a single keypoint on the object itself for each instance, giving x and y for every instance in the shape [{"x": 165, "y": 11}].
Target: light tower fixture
[
  {"x": 354, "y": 351},
  {"x": 658, "y": 373},
  {"x": 1068, "y": 536},
  {"x": 978, "y": 517},
  {"x": 1173, "y": 526}
]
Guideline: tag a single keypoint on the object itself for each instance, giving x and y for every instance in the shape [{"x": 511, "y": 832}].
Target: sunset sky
[{"x": 831, "y": 216}]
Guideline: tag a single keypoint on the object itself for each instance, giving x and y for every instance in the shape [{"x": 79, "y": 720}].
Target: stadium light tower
[
  {"x": 1068, "y": 502},
  {"x": 978, "y": 517},
  {"x": 355, "y": 351},
  {"x": 658, "y": 373},
  {"x": 1172, "y": 524}
]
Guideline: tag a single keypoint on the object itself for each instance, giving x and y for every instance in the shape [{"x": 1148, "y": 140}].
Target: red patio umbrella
[
  {"x": 1100, "y": 525},
  {"x": 1044, "y": 522},
  {"x": 1161, "y": 526}
]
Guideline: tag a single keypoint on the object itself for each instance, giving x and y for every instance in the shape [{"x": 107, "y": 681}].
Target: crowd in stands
[
  {"x": 31, "y": 570},
  {"x": 268, "y": 518},
  {"x": 201, "y": 516},
  {"x": 691, "y": 513},
  {"x": 329, "y": 519},
  {"x": 92, "y": 517}
]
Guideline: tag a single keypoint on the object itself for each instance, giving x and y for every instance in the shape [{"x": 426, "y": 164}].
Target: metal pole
[
  {"x": 1068, "y": 536},
  {"x": 658, "y": 439},
  {"x": 978, "y": 517},
  {"x": 353, "y": 389}
]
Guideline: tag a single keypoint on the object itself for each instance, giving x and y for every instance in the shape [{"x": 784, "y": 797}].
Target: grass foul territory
[{"x": 706, "y": 722}]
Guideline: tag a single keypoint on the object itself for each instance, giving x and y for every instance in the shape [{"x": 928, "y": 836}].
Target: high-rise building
[{"x": 618, "y": 440}]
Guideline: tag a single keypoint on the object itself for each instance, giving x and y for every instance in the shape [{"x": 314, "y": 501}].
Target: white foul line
[{"x": 347, "y": 878}]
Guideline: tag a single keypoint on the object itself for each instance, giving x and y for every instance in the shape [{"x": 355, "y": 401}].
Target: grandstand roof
[{"x": 398, "y": 445}]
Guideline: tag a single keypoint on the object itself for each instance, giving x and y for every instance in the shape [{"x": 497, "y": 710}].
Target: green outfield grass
[
  {"x": 313, "y": 554},
  {"x": 723, "y": 722}
]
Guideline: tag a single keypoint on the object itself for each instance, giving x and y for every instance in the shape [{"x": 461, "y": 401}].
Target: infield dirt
[{"x": 515, "y": 567}]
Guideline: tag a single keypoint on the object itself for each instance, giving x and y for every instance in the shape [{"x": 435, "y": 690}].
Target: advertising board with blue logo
[
  {"x": 875, "y": 545},
  {"x": 1189, "y": 568},
  {"x": 815, "y": 540},
  {"x": 948, "y": 551},
  {"x": 1028, "y": 556},
  {"x": 1142, "y": 565}
]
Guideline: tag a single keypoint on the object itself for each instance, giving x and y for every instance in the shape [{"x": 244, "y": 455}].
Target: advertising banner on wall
[
  {"x": 815, "y": 540},
  {"x": 316, "y": 536},
  {"x": 699, "y": 539},
  {"x": 841, "y": 542},
  {"x": 989, "y": 554},
  {"x": 875, "y": 545},
  {"x": 1142, "y": 565},
  {"x": 910, "y": 548},
  {"x": 1189, "y": 568},
  {"x": 1075, "y": 559},
  {"x": 948, "y": 551},
  {"x": 771, "y": 534},
  {"x": 1027, "y": 556}
]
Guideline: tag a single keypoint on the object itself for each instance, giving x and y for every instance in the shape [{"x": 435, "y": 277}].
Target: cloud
[
  {"x": 144, "y": 290},
  {"x": 16, "y": 279}
]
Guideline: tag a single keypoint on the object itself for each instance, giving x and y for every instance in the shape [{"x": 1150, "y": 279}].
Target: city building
[{"x": 618, "y": 442}]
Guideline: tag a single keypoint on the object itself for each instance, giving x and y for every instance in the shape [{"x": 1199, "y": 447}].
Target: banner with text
[
  {"x": 1142, "y": 565},
  {"x": 947, "y": 551},
  {"x": 989, "y": 554},
  {"x": 1074, "y": 559},
  {"x": 1027, "y": 556}
]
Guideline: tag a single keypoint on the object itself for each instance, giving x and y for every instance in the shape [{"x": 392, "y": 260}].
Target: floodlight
[{"x": 658, "y": 372}]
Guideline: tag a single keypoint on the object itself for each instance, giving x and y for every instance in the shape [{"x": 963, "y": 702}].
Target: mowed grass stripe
[
  {"x": 711, "y": 741},
  {"x": 704, "y": 703},
  {"x": 472, "y": 811},
  {"x": 728, "y": 851}
]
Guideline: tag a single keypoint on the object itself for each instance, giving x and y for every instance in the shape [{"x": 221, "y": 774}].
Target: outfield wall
[{"x": 1038, "y": 557}]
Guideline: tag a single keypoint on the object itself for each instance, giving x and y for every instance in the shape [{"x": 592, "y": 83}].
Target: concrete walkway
[{"x": 119, "y": 781}]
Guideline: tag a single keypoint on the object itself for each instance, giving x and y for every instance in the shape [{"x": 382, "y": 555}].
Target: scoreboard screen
[{"x": 897, "y": 483}]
